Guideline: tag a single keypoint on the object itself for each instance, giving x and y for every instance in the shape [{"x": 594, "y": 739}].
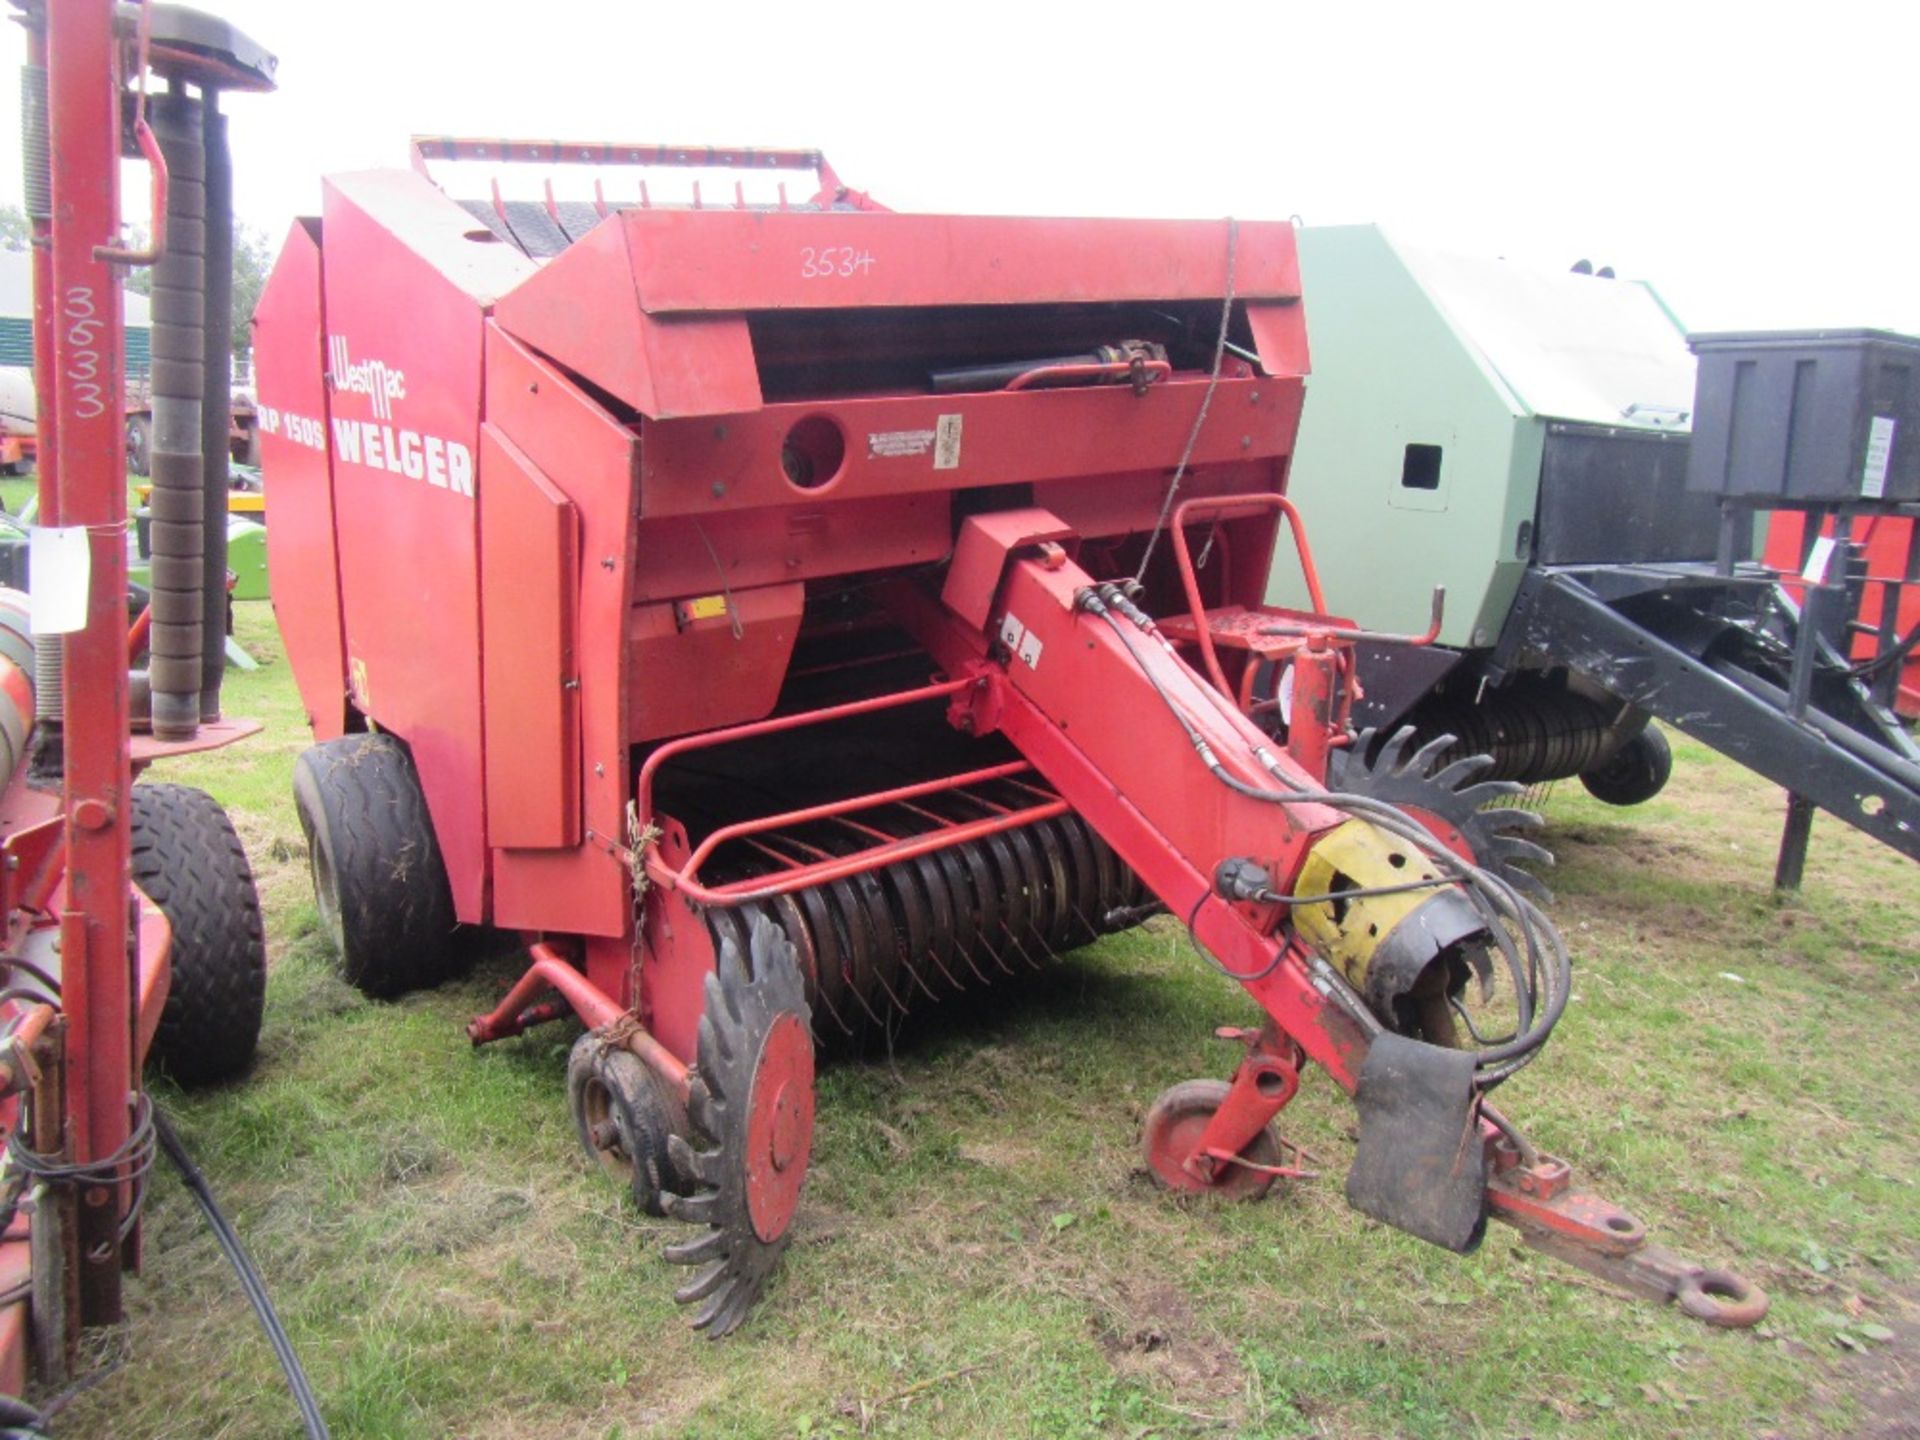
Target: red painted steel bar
[
  {"x": 88, "y": 363},
  {"x": 1182, "y": 517},
  {"x": 552, "y": 971},
  {"x": 873, "y": 801},
  {"x": 711, "y": 738},
  {"x": 31, "y": 1024},
  {"x": 741, "y": 892}
]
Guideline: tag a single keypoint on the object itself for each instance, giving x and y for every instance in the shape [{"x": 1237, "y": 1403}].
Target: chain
[{"x": 640, "y": 839}]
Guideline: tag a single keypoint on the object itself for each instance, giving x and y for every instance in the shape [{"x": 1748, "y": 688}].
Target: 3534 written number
[{"x": 831, "y": 262}]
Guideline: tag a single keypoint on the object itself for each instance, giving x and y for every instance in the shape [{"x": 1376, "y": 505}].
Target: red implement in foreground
[
  {"x": 786, "y": 613},
  {"x": 131, "y": 927}
]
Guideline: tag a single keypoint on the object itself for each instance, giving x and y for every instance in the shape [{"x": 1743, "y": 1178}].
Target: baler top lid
[{"x": 1564, "y": 346}]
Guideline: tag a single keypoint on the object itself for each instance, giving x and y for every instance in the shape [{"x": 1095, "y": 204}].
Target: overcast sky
[{"x": 1754, "y": 160}]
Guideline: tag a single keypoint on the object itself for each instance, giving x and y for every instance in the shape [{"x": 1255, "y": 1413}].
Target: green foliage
[{"x": 253, "y": 258}]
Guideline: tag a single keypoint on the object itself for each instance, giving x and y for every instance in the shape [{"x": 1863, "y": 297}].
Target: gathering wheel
[
  {"x": 1173, "y": 1128},
  {"x": 751, "y": 1098},
  {"x": 1449, "y": 799}
]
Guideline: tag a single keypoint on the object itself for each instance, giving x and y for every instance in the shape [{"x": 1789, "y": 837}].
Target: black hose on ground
[{"x": 256, "y": 1292}]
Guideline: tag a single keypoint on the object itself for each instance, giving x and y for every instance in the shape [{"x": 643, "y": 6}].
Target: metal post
[
  {"x": 1820, "y": 597},
  {"x": 1730, "y": 548},
  {"x": 88, "y": 364},
  {"x": 37, "y": 163},
  {"x": 1792, "y": 862}
]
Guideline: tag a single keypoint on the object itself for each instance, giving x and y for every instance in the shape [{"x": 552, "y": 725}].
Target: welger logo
[
  {"x": 371, "y": 378},
  {"x": 379, "y": 444}
]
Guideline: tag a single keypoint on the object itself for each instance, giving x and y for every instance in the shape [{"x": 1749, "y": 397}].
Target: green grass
[{"x": 978, "y": 1250}]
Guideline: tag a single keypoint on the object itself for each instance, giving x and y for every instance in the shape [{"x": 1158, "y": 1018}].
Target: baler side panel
[
  {"x": 768, "y": 545},
  {"x": 289, "y": 357},
  {"x": 583, "y": 454},
  {"x": 723, "y": 665},
  {"x": 693, "y": 260},
  {"x": 693, "y": 467},
  {"x": 530, "y": 547},
  {"x": 581, "y": 311},
  {"x": 404, "y": 357}
]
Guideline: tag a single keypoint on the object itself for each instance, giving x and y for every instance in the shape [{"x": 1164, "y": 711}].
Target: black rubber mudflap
[{"x": 1420, "y": 1165}]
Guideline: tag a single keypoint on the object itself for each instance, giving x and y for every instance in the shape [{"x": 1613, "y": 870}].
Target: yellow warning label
[{"x": 706, "y": 607}]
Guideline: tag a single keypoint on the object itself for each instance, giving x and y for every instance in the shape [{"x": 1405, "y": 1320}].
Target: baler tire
[
  {"x": 378, "y": 880},
  {"x": 1635, "y": 773},
  {"x": 609, "y": 1085},
  {"x": 189, "y": 862}
]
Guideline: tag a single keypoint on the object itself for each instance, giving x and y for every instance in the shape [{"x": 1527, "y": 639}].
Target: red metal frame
[
  {"x": 1218, "y": 506},
  {"x": 88, "y": 365},
  {"x": 67, "y": 890},
  {"x": 890, "y": 851},
  {"x": 1266, "y": 1081}
]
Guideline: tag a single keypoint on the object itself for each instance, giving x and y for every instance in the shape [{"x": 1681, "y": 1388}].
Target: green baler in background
[{"x": 1522, "y": 439}]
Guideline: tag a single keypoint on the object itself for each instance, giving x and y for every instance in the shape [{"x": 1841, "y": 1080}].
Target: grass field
[{"x": 979, "y": 1252}]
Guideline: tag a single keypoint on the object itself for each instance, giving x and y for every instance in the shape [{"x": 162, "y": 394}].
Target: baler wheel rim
[
  {"x": 623, "y": 1116},
  {"x": 1172, "y": 1129},
  {"x": 326, "y": 901}
]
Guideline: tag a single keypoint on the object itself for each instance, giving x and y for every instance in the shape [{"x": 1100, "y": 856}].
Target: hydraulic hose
[
  {"x": 1548, "y": 967},
  {"x": 178, "y": 499},
  {"x": 1545, "y": 972}
]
